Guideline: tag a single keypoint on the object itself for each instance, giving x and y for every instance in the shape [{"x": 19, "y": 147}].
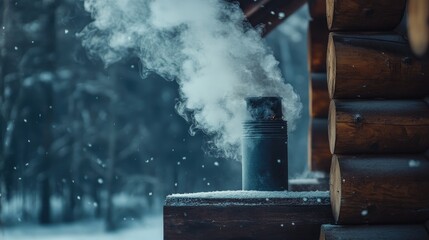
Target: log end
[
  {"x": 332, "y": 131},
  {"x": 331, "y": 62},
  {"x": 335, "y": 187},
  {"x": 322, "y": 234},
  {"x": 330, "y": 6},
  {"x": 418, "y": 26}
]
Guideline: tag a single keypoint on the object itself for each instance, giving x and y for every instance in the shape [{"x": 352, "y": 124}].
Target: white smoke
[{"x": 205, "y": 46}]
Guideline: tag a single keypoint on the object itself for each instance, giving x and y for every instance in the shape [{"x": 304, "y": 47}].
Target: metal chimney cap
[{"x": 265, "y": 108}]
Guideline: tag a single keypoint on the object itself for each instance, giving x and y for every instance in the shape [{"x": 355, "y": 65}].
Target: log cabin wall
[
  {"x": 319, "y": 156},
  {"x": 378, "y": 123}
]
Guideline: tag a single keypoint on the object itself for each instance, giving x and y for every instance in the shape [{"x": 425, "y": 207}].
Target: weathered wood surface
[
  {"x": 379, "y": 189},
  {"x": 374, "y": 66},
  {"x": 319, "y": 97},
  {"x": 286, "y": 215},
  {"x": 379, "y": 232},
  {"x": 317, "y": 9},
  {"x": 400, "y": 126},
  {"x": 365, "y": 15},
  {"x": 319, "y": 154},
  {"x": 418, "y": 26},
  {"x": 269, "y": 13},
  {"x": 317, "y": 44}
]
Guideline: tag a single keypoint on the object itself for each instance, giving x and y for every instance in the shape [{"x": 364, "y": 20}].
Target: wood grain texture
[
  {"x": 319, "y": 154},
  {"x": 319, "y": 97},
  {"x": 317, "y": 44},
  {"x": 317, "y": 9},
  {"x": 380, "y": 232},
  {"x": 373, "y": 66},
  {"x": 379, "y": 189},
  {"x": 365, "y": 15},
  {"x": 418, "y": 26},
  {"x": 285, "y": 218},
  {"x": 394, "y": 126},
  {"x": 269, "y": 13}
]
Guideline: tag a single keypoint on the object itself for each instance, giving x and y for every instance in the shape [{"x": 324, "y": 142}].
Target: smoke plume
[{"x": 216, "y": 58}]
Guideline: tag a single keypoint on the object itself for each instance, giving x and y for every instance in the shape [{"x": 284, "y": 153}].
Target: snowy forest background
[{"x": 81, "y": 142}]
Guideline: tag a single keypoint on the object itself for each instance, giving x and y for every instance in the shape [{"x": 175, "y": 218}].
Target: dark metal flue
[{"x": 264, "y": 146}]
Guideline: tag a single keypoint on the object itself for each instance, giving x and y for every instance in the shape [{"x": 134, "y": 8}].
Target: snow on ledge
[{"x": 240, "y": 194}]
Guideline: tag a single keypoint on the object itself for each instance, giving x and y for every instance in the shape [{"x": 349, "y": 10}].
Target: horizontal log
[
  {"x": 374, "y": 66},
  {"x": 319, "y": 154},
  {"x": 317, "y": 9},
  {"x": 317, "y": 44},
  {"x": 379, "y": 189},
  {"x": 418, "y": 26},
  {"x": 378, "y": 126},
  {"x": 246, "y": 215},
  {"x": 380, "y": 232},
  {"x": 365, "y": 15},
  {"x": 319, "y": 97}
]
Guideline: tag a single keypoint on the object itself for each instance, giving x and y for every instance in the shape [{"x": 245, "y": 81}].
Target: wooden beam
[
  {"x": 317, "y": 44},
  {"x": 380, "y": 232},
  {"x": 374, "y": 66},
  {"x": 379, "y": 189},
  {"x": 378, "y": 126},
  {"x": 418, "y": 26},
  {"x": 364, "y": 15},
  {"x": 317, "y": 9},
  {"x": 269, "y": 13},
  {"x": 319, "y": 96},
  {"x": 319, "y": 156},
  {"x": 246, "y": 215}
]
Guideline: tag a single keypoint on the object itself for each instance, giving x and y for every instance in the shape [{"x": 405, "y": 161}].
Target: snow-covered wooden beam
[
  {"x": 317, "y": 183},
  {"x": 246, "y": 215}
]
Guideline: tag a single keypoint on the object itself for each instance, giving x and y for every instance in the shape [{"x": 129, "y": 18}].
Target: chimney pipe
[{"x": 264, "y": 146}]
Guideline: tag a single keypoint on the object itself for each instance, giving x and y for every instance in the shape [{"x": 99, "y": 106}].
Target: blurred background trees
[{"x": 79, "y": 140}]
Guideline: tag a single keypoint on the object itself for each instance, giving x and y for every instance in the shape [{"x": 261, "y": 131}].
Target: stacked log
[
  {"x": 379, "y": 189},
  {"x": 381, "y": 232},
  {"x": 378, "y": 124},
  {"x": 319, "y": 157},
  {"x": 418, "y": 26},
  {"x": 371, "y": 66},
  {"x": 364, "y": 15}
]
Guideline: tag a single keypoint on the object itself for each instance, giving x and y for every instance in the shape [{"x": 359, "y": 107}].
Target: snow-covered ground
[{"x": 150, "y": 229}]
